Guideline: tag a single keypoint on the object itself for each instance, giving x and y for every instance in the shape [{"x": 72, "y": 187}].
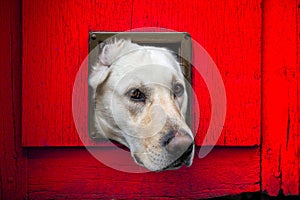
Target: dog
[{"x": 140, "y": 100}]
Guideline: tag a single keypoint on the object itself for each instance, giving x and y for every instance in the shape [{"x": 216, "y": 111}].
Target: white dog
[{"x": 140, "y": 101}]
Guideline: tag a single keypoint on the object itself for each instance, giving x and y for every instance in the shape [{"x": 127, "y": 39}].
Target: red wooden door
[
  {"x": 259, "y": 146},
  {"x": 55, "y": 43}
]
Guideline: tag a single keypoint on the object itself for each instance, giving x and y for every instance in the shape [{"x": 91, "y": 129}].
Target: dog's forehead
[
  {"x": 148, "y": 56},
  {"x": 155, "y": 64},
  {"x": 145, "y": 69}
]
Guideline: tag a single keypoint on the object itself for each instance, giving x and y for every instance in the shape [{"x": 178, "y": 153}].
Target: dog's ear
[
  {"x": 109, "y": 52},
  {"x": 98, "y": 75},
  {"x": 111, "y": 49}
]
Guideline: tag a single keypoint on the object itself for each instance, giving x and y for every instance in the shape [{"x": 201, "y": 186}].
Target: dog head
[{"x": 140, "y": 101}]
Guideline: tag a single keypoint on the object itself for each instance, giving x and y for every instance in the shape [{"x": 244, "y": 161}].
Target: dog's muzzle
[{"x": 180, "y": 146}]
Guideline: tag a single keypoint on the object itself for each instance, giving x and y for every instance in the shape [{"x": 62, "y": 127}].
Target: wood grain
[
  {"x": 13, "y": 163},
  {"x": 298, "y": 76},
  {"x": 55, "y": 43},
  {"x": 280, "y": 136},
  {"x": 60, "y": 173},
  {"x": 229, "y": 30}
]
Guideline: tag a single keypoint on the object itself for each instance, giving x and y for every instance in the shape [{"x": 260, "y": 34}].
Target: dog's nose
[{"x": 177, "y": 142}]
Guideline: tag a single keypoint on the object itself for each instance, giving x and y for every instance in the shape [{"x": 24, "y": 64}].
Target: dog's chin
[{"x": 184, "y": 159}]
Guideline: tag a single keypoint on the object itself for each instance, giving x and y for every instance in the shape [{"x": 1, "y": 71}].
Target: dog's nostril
[
  {"x": 189, "y": 150},
  {"x": 167, "y": 138}
]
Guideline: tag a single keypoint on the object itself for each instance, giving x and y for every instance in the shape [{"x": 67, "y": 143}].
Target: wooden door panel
[{"x": 73, "y": 173}]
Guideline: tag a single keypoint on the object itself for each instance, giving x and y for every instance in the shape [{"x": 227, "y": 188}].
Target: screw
[
  {"x": 187, "y": 36},
  {"x": 94, "y": 36},
  {"x": 93, "y": 135}
]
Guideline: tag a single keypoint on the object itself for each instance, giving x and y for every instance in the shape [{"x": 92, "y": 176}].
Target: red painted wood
[
  {"x": 72, "y": 172},
  {"x": 55, "y": 39},
  {"x": 280, "y": 139},
  {"x": 60, "y": 173},
  {"x": 298, "y": 63},
  {"x": 53, "y": 173},
  {"x": 13, "y": 172}
]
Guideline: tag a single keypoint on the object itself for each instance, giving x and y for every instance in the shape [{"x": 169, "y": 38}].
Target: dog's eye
[
  {"x": 136, "y": 95},
  {"x": 178, "y": 89}
]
